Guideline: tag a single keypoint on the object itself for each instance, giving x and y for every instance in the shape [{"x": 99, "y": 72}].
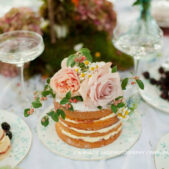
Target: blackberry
[
  {"x": 9, "y": 134},
  {"x": 164, "y": 95},
  {"x": 153, "y": 81},
  {"x": 5, "y": 126},
  {"x": 146, "y": 75},
  {"x": 161, "y": 70}
]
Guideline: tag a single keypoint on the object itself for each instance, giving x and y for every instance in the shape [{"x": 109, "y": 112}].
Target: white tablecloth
[
  {"x": 155, "y": 125},
  {"x": 154, "y": 122}
]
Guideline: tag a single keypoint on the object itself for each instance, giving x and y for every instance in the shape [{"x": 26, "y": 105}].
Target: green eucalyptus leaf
[
  {"x": 46, "y": 86},
  {"x": 124, "y": 83},
  {"x": 99, "y": 107},
  {"x": 36, "y": 104},
  {"x": 71, "y": 60},
  {"x": 86, "y": 52},
  {"x": 62, "y": 113},
  {"x": 46, "y": 93},
  {"x": 114, "y": 69},
  {"x": 51, "y": 113},
  {"x": 55, "y": 117},
  {"x": 120, "y": 97},
  {"x": 64, "y": 101},
  {"x": 52, "y": 93},
  {"x": 48, "y": 80},
  {"x": 45, "y": 121},
  {"x": 26, "y": 112},
  {"x": 78, "y": 98},
  {"x": 120, "y": 105},
  {"x": 140, "y": 84},
  {"x": 68, "y": 95},
  {"x": 71, "y": 107},
  {"x": 114, "y": 108}
]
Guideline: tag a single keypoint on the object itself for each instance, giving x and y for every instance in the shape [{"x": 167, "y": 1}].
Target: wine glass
[
  {"x": 19, "y": 47},
  {"x": 142, "y": 40}
]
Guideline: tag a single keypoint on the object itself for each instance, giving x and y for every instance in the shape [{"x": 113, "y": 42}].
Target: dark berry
[
  {"x": 5, "y": 126},
  {"x": 146, "y": 75},
  {"x": 161, "y": 70},
  {"x": 153, "y": 81},
  {"x": 9, "y": 134}
]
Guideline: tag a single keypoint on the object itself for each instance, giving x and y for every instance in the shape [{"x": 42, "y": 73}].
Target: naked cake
[{"x": 89, "y": 104}]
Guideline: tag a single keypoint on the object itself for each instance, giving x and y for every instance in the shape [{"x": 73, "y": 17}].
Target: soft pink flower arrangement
[
  {"x": 95, "y": 83},
  {"x": 98, "y": 90}
]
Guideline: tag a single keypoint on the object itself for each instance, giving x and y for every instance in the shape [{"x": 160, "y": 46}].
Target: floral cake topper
[{"x": 97, "y": 84}]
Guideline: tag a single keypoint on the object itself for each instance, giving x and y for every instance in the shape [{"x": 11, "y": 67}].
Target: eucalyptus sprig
[
  {"x": 56, "y": 114},
  {"x": 82, "y": 52},
  {"x": 39, "y": 97},
  {"x": 118, "y": 103},
  {"x": 135, "y": 80}
]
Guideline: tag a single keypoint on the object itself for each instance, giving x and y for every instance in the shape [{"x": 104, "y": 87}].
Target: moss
[{"x": 49, "y": 62}]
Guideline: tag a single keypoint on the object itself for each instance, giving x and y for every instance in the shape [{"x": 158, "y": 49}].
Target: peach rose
[
  {"x": 65, "y": 80},
  {"x": 102, "y": 88}
]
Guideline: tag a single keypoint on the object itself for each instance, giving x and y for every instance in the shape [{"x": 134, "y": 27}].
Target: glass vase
[{"x": 143, "y": 39}]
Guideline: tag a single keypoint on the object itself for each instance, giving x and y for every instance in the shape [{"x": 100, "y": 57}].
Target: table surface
[{"x": 154, "y": 126}]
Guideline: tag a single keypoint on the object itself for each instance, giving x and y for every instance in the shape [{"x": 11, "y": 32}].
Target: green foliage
[
  {"x": 86, "y": 52},
  {"x": 78, "y": 98},
  {"x": 114, "y": 69},
  {"x": 68, "y": 95},
  {"x": 26, "y": 114},
  {"x": 49, "y": 62},
  {"x": 99, "y": 107},
  {"x": 140, "y": 84},
  {"x": 114, "y": 108},
  {"x": 124, "y": 83},
  {"x": 120, "y": 97},
  {"x": 45, "y": 121},
  {"x": 36, "y": 104},
  {"x": 120, "y": 105},
  {"x": 71, "y": 60},
  {"x": 71, "y": 107},
  {"x": 66, "y": 99}
]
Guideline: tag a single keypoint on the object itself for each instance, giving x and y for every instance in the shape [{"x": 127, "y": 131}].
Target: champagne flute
[{"x": 19, "y": 47}]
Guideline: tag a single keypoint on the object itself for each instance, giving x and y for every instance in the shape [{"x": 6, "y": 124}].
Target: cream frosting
[
  {"x": 104, "y": 130},
  {"x": 1, "y": 133},
  {"x": 92, "y": 139},
  {"x": 4, "y": 144},
  {"x": 101, "y": 119},
  {"x": 80, "y": 106}
]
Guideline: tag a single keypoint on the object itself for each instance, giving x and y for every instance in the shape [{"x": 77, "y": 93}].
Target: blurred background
[{"x": 76, "y": 24}]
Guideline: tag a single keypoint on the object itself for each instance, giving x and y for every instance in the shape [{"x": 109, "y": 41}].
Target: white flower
[{"x": 123, "y": 113}]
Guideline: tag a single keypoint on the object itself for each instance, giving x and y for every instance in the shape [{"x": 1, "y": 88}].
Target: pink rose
[
  {"x": 65, "y": 80},
  {"x": 102, "y": 88}
]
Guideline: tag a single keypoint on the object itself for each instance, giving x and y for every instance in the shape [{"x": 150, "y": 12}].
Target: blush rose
[{"x": 102, "y": 88}]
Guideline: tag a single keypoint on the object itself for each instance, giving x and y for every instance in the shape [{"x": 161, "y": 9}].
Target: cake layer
[
  {"x": 87, "y": 142},
  {"x": 4, "y": 144},
  {"x": 84, "y": 115},
  {"x": 96, "y": 133},
  {"x": 5, "y": 154},
  {"x": 92, "y": 124},
  {"x": 2, "y": 134}
]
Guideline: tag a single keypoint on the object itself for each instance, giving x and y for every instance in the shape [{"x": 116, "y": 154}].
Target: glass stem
[
  {"x": 21, "y": 67},
  {"x": 136, "y": 65}
]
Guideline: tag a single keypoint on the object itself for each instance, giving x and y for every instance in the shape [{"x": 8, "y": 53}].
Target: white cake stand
[{"x": 130, "y": 134}]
